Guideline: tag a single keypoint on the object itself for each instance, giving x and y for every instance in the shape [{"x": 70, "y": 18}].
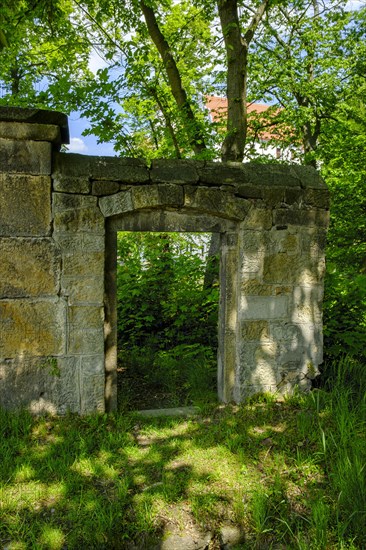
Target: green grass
[{"x": 289, "y": 474}]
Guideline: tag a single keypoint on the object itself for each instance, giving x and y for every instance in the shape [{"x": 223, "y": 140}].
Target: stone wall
[{"x": 59, "y": 214}]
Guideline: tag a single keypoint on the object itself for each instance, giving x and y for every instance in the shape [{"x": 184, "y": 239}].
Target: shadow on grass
[{"x": 126, "y": 482}]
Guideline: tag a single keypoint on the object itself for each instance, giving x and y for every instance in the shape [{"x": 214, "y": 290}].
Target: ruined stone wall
[{"x": 59, "y": 214}]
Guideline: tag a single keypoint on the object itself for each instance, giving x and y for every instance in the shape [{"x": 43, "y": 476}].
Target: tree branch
[{"x": 193, "y": 130}]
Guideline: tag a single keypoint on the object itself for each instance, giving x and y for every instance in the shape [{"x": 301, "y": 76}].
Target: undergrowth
[{"x": 289, "y": 474}]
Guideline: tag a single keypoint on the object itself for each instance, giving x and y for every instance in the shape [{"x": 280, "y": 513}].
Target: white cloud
[
  {"x": 96, "y": 61},
  {"x": 77, "y": 146}
]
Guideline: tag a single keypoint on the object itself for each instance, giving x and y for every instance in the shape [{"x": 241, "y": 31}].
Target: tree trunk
[
  {"x": 237, "y": 47},
  {"x": 236, "y": 54},
  {"x": 192, "y": 127}
]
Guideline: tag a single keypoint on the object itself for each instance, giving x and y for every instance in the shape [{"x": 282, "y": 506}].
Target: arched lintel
[{"x": 174, "y": 220}]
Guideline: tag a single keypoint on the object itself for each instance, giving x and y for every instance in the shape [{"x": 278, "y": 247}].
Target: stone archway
[{"x": 58, "y": 215}]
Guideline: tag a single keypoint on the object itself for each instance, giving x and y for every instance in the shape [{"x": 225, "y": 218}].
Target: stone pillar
[{"x": 32, "y": 310}]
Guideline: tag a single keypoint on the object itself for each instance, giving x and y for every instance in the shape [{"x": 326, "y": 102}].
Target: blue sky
[{"x": 86, "y": 145}]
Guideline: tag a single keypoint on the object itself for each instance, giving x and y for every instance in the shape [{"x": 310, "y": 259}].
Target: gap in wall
[{"x": 167, "y": 317}]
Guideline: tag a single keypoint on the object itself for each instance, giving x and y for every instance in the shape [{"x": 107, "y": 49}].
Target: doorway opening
[{"x": 167, "y": 287}]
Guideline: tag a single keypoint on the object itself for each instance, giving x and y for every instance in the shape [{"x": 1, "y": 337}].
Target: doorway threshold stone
[{"x": 175, "y": 411}]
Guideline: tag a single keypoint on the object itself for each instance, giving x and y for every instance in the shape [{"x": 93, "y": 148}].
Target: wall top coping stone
[
  {"x": 188, "y": 172},
  {"x": 37, "y": 116}
]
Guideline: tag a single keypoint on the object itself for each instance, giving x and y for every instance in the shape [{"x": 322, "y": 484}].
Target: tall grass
[
  {"x": 287, "y": 474},
  {"x": 344, "y": 442}
]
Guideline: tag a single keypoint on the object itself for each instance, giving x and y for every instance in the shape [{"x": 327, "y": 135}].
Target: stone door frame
[{"x": 177, "y": 220}]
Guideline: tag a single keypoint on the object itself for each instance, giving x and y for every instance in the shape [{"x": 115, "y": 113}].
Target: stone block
[
  {"x": 171, "y": 195},
  {"x": 252, "y": 262},
  {"x": 258, "y": 218},
  {"x": 25, "y": 207},
  {"x": 319, "y": 198},
  {"x": 91, "y": 317},
  {"x": 67, "y": 387},
  {"x": 282, "y": 240},
  {"x": 116, "y": 204},
  {"x": 255, "y": 330},
  {"x": 92, "y": 384},
  {"x": 29, "y": 267},
  {"x": 71, "y": 164},
  {"x": 32, "y": 132},
  {"x": 258, "y": 365},
  {"x": 274, "y": 196},
  {"x": 82, "y": 341},
  {"x": 73, "y": 213},
  {"x": 80, "y": 243},
  {"x": 174, "y": 171},
  {"x": 306, "y": 305},
  {"x": 253, "y": 287},
  {"x": 125, "y": 170},
  {"x": 249, "y": 191},
  {"x": 83, "y": 264},
  {"x": 32, "y": 328},
  {"x": 28, "y": 116},
  {"x": 25, "y": 157},
  {"x": 145, "y": 196},
  {"x": 282, "y": 268},
  {"x": 215, "y": 201},
  {"x": 101, "y": 188},
  {"x": 28, "y": 383},
  {"x": 264, "y": 307},
  {"x": 79, "y": 185},
  {"x": 83, "y": 290},
  {"x": 308, "y": 176},
  {"x": 252, "y": 174},
  {"x": 293, "y": 196},
  {"x": 254, "y": 241},
  {"x": 311, "y": 218}
]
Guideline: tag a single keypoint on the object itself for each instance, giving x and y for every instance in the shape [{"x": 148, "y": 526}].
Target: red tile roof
[{"x": 218, "y": 109}]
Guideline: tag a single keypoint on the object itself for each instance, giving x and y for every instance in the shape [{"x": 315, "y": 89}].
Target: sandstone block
[
  {"x": 171, "y": 195},
  {"x": 100, "y": 188},
  {"x": 83, "y": 265},
  {"x": 67, "y": 394},
  {"x": 282, "y": 268},
  {"x": 264, "y": 307},
  {"x": 91, "y": 317},
  {"x": 116, "y": 204},
  {"x": 30, "y": 328},
  {"x": 80, "y": 243},
  {"x": 258, "y": 218},
  {"x": 83, "y": 290},
  {"x": 312, "y": 218},
  {"x": 125, "y": 170},
  {"x": 215, "y": 201},
  {"x": 92, "y": 384},
  {"x": 31, "y": 132},
  {"x": 254, "y": 287},
  {"x": 28, "y": 383},
  {"x": 25, "y": 157},
  {"x": 73, "y": 213},
  {"x": 174, "y": 171},
  {"x": 25, "y": 208},
  {"x": 82, "y": 341},
  {"x": 29, "y": 267},
  {"x": 255, "y": 330},
  {"x": 252, "y": 262},
  {"x": 79, "y": 185}
]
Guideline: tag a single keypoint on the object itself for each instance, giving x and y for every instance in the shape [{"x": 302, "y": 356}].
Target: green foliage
[{"x": 167, "y": 317}]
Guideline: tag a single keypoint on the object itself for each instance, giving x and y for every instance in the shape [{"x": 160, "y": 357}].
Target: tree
[
  {"x": 302, "y": 62},
  {"x": 44, "y": 53}
]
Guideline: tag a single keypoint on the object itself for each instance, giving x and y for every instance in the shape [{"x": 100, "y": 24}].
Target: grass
[{"x": 289, "y": 474}]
